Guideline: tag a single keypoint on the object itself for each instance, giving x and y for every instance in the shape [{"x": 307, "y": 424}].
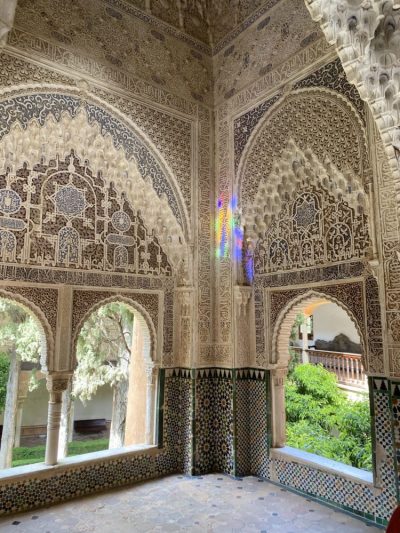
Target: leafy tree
[
  {"x": 322, "y": 420},
  {"x": 20, "y": 340},
  {"x": 20, "y": 337},
  {"x": 4, "y": 368},
  {"x": 103, "y": 354}
]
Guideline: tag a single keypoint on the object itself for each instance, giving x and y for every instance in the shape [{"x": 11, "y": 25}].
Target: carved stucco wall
[
  {"x": 277, "y": 36},
  {"x": 177, "y": 128},
  {"x": 116, "y": 43},
  {"x": 244, "y": 91},
  {"x": 303, "y": 86},
  {"x": 169, "y": 113},
  {"x": 251, "y": 93},
  {"x": 366, "y": 36},
  {"x": 210, "y": 22}
]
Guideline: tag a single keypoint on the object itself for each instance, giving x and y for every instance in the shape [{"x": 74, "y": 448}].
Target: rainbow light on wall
[
  {"x": 228, "y": 230},
  {"x": 222, "y": 230}
]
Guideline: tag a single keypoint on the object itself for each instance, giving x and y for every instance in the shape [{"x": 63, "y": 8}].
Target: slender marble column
[
  {"x": 66, "y": 422},
  {"x": 150, "y": 403},
  {"x": 56, "y": 384},
  {"x": 278, "y": 377}
]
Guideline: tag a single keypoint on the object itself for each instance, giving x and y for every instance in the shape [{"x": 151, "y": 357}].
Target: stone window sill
[
  {"x": 322, "y": 463},
  {"x": 34, "y": 470}
]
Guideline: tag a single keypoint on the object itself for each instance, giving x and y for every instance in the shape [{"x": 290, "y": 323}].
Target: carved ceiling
[{"x": 207, "y": 20}]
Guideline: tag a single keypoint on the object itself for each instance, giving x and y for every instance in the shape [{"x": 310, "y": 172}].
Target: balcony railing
[{"x": 347, "y": 366}]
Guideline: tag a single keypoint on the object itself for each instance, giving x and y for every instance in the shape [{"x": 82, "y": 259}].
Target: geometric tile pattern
[
  {"x": 229, "y": 434},
  {"x": 214, "y": 421},
  {"x": 70, "y": 482},
  {"x": 395, "y": 390},
  {"x": 178, "y": 409},
  {"x": 325, "y": 486},
  {"x": 372, "y": 503},
  {"x": 251, "y": 422},
  {"x": 384, "y": 448},
  {"x": 214, "y": 503}
]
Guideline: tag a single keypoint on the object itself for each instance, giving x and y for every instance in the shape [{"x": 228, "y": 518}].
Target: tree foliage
[
  {"x": 20, "y": 337},
  {"x": 19, "y": 332},
  {"x": 322, "y": 420},
  {"x": 103, "y": 349},
  {"x": 4, "y": 368}
]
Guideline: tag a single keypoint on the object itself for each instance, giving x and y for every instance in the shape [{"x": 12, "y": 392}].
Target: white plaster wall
[
  {"x": 330, "y": 320},
  {"x": 35, "y": 406},
  {"x": 99, "y": 407}
]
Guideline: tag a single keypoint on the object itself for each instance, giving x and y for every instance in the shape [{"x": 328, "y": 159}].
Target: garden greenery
[
  {"x": 322, "y": 420},
  {"x": 19, "y": 337},
  {"x": 103, "y": 345},
  {"x": 4, "y": 368}
]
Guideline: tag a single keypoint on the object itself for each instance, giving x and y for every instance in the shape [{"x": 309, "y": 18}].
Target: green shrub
[
  {"x": 318, "y": 383},
  {"x": 4, "y": 369},
  {"x": 321, "y": 419}
]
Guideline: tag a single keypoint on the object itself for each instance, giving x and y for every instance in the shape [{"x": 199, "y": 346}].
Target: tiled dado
[
  {"x": 374, "y": 503},
  {"x": 251, "y": 422},
  {"x": 214, "y": 438},
  {"x": 217, "y": 420},
  {"x": 252, "y": 450},
  {"x": 67, "y": 482}
]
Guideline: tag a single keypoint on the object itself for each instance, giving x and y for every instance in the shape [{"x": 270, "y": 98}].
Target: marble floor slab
[{"x": 213, "y": 503}]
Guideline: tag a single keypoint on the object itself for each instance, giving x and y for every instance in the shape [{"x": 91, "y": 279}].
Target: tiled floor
[{"x": 212, "y": 503}]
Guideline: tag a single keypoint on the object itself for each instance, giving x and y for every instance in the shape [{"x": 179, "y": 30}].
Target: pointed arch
[
  {"x": 294, "y": 116},
  {"x": 286, "y": 319},
  {"x": 140, "y": 315}
]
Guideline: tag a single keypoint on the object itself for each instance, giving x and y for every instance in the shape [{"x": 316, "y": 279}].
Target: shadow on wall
[{"x": 340, "y": 343}]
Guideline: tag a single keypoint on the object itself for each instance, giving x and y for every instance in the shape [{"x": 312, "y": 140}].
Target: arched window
[
  {"x": 23, "y": 393},
  {"x": 111, "y": 401},
  {"x": 320, "y": 396}
]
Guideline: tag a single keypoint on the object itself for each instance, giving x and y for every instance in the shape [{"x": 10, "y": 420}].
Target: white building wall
[
  {"x": 331, "y": 320},
  {"x": 35, "y": 406}
]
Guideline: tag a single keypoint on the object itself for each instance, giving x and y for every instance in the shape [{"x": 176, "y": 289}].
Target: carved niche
[{"x": 314, "y": 228}]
